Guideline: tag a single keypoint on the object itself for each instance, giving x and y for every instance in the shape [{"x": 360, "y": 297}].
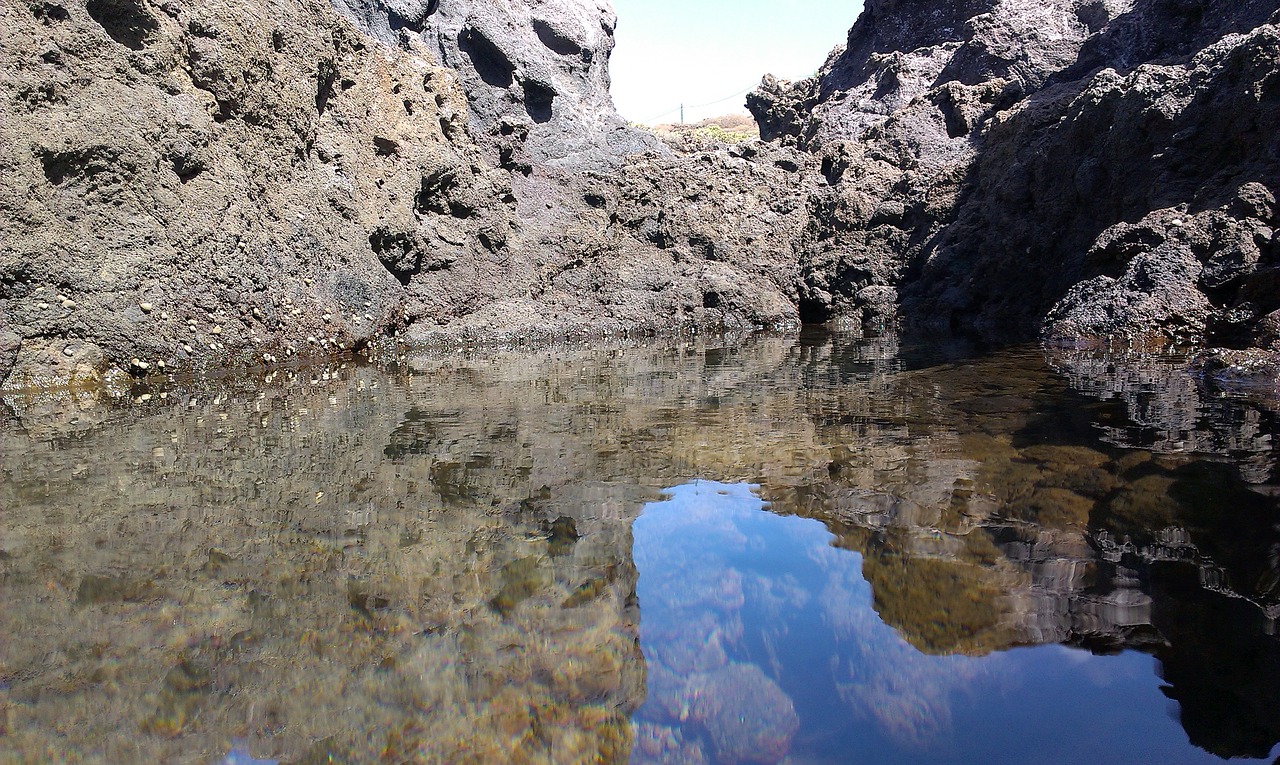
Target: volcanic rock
[{"x": 1093, "y": 170}]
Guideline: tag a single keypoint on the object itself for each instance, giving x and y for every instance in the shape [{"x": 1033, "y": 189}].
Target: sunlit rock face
[
  {"x": 536, "y": 74},
  {"x": 192, "y": 186},
  {"x": 898, "y": 52},
  {"x": 622, "y": 234},
  {"x": 198, "y": 185},
  {"x": 204, "y": 186},
  {"x": 1086, "y": 170}
]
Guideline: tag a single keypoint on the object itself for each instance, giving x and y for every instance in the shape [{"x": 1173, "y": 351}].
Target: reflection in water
[
  {"x": 692, "y": 598},
  {"x": 436, "y": 563},
  {"x": 736, "y": 600},
  {"x": 760, "y": 640},
  {"x": 238, "y": 756}
]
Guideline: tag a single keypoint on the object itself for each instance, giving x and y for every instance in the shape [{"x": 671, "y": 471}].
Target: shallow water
[{"x": 804, "y": 550}]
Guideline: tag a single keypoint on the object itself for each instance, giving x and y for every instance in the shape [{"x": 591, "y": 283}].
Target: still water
[{"x": 786, "y": 550}]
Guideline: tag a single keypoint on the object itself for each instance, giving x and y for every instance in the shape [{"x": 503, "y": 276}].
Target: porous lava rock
[
  {"x": 1090, "y": 171},
  {"x": 200, "y": 185},
  {"x": 536, "y": 74},
  {"x": 204, "y": 185}
]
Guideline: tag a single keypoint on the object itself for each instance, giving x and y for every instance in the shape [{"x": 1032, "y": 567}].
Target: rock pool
[{"x": 793, "y": 549}]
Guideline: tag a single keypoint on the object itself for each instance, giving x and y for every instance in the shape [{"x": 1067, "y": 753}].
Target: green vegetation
[{"x": 698, "y": 136}]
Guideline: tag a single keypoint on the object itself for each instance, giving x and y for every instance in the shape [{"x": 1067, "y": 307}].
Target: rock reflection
[
  {"x": 1169, "y": 409},
  {"x": 270, "y": 565},
  {"x": 998, "y": 520},
  {"x": 434, "y": 563}
]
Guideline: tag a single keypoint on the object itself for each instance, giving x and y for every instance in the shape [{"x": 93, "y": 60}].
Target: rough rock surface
[
  {"x": 536, "y": 73},
  {"x": 208, "y": 182},
  {"x": 195, "y": 185},
  {"x": 651, "y": 237},
  {"x": 1105, "y": 164}
]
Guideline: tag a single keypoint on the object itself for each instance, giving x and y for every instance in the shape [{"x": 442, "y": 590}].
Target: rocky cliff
[
  {"x": 222, "y": 182},
  {"x": 196, "y": 185},
  {"x": 1089, "y": 170},
  {"x": 536, "y": 74}
]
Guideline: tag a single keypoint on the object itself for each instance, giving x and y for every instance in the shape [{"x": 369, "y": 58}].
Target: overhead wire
[
  {"x": 701, "y": 106},
  {"x": 747, "y": 89}
]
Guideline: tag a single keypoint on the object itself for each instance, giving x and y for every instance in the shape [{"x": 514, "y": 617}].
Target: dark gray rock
[
  {"x": 1177, "y": 142},
  {"x": 1003, "y": 163}
]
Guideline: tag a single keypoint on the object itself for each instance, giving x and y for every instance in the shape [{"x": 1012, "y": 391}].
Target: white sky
[{"x": 700, "y": 51}]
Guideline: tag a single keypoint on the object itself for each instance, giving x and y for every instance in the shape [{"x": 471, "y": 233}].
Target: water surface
[{"x": 805, "y": 550}]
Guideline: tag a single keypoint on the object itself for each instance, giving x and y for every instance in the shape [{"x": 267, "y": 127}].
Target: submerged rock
[{"x": 745, "y": 714}]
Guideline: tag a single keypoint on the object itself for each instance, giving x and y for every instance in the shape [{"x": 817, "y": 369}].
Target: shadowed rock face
[{"x": 1085, "y": 169}]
